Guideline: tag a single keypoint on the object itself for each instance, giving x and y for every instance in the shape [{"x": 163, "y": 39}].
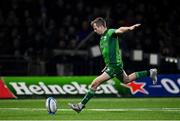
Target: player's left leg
[{"x": 96, "y": 82}]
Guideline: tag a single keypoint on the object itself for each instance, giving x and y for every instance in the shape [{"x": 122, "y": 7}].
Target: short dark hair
[{"x": 99, "y": 21}]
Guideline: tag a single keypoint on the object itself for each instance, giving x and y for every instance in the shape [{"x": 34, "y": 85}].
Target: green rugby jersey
[{"x": 110, "y": 50}]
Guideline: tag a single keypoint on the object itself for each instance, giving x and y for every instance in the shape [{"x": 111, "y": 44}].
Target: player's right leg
[
  {"x": 140, "y": 74},
  {"x": 96, "y": 82}
]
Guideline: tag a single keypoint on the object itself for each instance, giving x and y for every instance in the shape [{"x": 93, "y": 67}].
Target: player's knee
[
  {"x": 126, "y": 79},
  {"x": 94, "y": 85}
]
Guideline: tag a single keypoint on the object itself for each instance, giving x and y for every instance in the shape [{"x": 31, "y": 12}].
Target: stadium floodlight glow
[
  {"x": 167, "y": 59},
  {"x": 95, "y": 51},
  {"x": 171, "y": 60},
  {"x": 137, "y": 55},
  {"x": 153, "y": 60},
  {"x": 175, "y": 60}
]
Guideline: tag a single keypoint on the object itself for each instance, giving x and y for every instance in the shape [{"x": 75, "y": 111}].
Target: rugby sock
[
  {"x": 88, "y": 96},
  {"x": 141, "y": 74}
]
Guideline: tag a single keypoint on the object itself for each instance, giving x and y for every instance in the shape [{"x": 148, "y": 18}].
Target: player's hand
[
  {"x": 134, "y": 26},
  {"x": 137, "y": 25}
]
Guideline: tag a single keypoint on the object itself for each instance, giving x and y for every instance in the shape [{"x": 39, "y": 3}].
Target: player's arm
[{"x": 125, "y": 29}]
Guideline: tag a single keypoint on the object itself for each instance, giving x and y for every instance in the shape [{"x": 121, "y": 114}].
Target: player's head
[{"x": 99, "y": 25}]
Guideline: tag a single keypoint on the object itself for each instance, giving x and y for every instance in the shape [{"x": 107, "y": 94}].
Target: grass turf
[{"x": 96, "y": 109}]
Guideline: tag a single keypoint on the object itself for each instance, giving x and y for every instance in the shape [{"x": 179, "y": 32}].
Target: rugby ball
[{"x": 51, "y": 105}]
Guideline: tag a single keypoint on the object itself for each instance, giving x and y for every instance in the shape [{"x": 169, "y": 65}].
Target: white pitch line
[
  {"x": 102, "y": 110},
  {"x": 88, "y": 120}
]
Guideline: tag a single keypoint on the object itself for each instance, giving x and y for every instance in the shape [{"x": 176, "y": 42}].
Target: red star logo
[{"x": 136, "y": 87}]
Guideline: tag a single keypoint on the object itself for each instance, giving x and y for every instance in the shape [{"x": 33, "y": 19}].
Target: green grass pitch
[{"x": 97, "y": 109}]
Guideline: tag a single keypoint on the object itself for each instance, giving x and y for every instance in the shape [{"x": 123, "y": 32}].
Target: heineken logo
[
  {"x": 73, "y": 88},
  {"x": 31, "y": 87}
]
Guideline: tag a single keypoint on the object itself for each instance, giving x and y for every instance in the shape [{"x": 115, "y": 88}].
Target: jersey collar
[{"x": 105, "y": 32}]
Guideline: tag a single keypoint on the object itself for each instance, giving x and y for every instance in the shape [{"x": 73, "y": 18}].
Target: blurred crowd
[
  {"x": 28, "y": 25},
  {"x": 33, "y": 28}
]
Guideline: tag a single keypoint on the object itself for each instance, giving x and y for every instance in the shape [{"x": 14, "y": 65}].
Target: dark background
[{"x": 54, "y": 37}]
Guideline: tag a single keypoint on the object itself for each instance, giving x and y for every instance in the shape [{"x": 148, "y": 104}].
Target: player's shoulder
[{"x": 111, "y": 31}]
